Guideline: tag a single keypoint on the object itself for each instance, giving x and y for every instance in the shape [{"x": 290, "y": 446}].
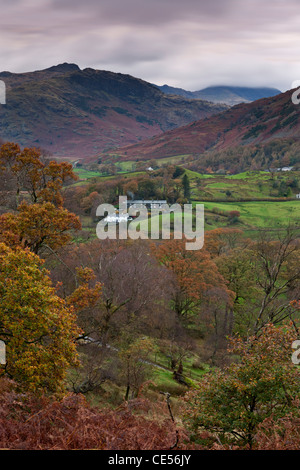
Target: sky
[{"x": 190, "y": 44}]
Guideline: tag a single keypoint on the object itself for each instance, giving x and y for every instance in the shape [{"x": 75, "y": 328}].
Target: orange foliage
[
  {"x": 42, "y": 181},
  {"x": 195, "y": 272},
  {"x": 37, "y": 225},
  {"x": 27, "y": 422}
]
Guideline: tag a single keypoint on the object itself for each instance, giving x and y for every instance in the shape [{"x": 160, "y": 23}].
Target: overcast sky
[{"x": 185, "y": 43}]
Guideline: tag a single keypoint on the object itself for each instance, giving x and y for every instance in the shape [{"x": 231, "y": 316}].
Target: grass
[
  {"x": 261, "y": 214},
  {"x": 85, "y": 174},
  {"x": 254, "y": 215},
  {"x": 128, "y": 166},
  {"x": 249, "y": 185},
  {"x": 212, "y": 191},
  {"x": 164, "y": 380}
]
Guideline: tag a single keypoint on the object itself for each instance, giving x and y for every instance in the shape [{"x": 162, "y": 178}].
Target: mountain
[
  {"x": 245, "y": 124},
  {"x": 223, "y": 94},
  {"x": 72, "y": 112}
]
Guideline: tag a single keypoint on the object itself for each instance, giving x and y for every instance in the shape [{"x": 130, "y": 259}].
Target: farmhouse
[
  {"x": 285, "y": 168},
  {"x": 150, "y": 204}
]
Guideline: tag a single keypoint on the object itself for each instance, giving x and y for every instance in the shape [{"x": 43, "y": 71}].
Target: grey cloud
[
  {"x": 234, "y": 14},
  {"x": 154, "y": 12},
  {"x": 191, "y": 43}
]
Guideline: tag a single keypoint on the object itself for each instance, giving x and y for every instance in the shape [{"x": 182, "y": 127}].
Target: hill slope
[
  {"x": 245, "y": 124},
  {"x": 73, "y": 112},
  {"x": 223, "y": 94}
]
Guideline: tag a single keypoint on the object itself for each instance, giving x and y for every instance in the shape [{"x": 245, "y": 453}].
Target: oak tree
[{"x": 36, "y": 325}]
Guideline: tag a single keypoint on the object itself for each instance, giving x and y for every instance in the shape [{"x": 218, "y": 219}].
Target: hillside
[
  {"x": 223, "y": 94},
  {"x": 254, "y": 123},
  {"x": 73, "y": 112}
]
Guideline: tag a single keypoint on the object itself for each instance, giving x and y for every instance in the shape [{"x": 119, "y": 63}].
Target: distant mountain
[
  {"x": 253, "y": 123},
  {"x": 72, "y": 112},
  {"x": 230, "y": 95}
]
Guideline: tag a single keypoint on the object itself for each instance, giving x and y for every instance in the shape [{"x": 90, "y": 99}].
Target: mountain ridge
[
  {"x": 72, "y": 112},
  {"x": 245, "y": 124},
  {"x": 230, "y": 95}
]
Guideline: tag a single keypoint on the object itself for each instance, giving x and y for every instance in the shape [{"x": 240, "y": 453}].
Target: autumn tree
[
  {"x": 39, "y": 220},
  {"x": 237, "y": 267},
  {"x": 91, "y": 202},
  {"x": 233, "y": 217},
  {"x": 135, "y": 354},
  {"x": 38, "y": 226},
  {"x": 223, "y": 240},
  {"x": 36, "y": 325},
  {"x": 231, "y": 403},
  {"x": 41, "y": 181},
  {"x": 87, "y": 296},
  {"x": 130, "y": 292},
  {"x": 265, "y": 278},
  {"x": 194, "y": 273},
  {"x": 131, "y": 188},
  {"x": 130, "y": 299},
  {"x": 277, "y": 266}
]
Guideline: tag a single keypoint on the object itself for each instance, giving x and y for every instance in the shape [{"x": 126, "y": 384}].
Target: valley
[
  {"x": 265, "y": 200},
  {"x": 138, "y": 325}
]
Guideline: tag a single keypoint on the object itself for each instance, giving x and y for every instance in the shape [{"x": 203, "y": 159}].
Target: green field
[
  {"x": 84, "y": 175},
  {"x": 258, "y": 214},
  {"x": 256, "y": 195},
  {"x": 248, "y": 185},
  {"x": 128, "y": 164},
  {"x": 253, "y": 215}
]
